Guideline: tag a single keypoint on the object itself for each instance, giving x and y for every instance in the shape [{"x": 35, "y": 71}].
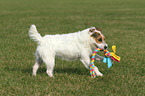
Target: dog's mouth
[
  {"x": 101, "y": 47},
  {"x": 96, "y": 46}
]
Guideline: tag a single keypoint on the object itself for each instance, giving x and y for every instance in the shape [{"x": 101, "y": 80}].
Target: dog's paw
[
  {"x": 49, "y": 73},
  {"x": 98, "y": 59},
  {"x": 99, "y": 74},
  {"x": 33, "y": 74}
]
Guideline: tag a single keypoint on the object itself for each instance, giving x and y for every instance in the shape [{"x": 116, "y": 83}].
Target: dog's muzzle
[{"x": 105, "y": 47}]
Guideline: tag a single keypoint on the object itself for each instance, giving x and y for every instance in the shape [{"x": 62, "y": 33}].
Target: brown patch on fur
[{"x": 98, "y": 37}]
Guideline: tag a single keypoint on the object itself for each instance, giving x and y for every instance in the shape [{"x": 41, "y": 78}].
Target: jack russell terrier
[{"x": 72, "y": 46}]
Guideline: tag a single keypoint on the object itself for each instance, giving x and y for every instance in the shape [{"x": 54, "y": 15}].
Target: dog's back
[{"x": 65, "y": 46}]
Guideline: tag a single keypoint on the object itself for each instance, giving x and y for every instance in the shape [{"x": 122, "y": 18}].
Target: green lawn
[{"x": 122, "y": 22}]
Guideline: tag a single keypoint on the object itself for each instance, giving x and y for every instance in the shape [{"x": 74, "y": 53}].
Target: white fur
[{"x": 72, "y": 46}]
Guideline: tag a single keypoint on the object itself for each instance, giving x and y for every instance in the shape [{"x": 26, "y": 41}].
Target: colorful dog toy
[{"x": 107, "y": 59}]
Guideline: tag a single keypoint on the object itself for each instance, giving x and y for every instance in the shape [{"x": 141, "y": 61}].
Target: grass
[{"x": 122, "y": 23}]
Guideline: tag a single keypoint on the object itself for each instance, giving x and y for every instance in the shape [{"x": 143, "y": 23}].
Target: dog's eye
[
  {"x": 95, "y": 35},
  {"x": 100, "y": 40}
]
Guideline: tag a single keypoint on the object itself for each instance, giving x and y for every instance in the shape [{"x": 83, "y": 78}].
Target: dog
[{"x": 72, "y": 46}]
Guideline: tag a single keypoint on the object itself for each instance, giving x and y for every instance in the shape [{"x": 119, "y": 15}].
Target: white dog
[{"x": 72, "y": 46}]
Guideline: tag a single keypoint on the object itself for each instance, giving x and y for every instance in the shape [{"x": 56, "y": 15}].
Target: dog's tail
[{"x": 33, "y": 34}]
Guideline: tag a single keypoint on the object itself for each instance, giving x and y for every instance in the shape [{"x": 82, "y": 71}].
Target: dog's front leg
[
  {"x": 86, "y": 62},
  {"x": 98, "y": 73},
  {"x": 99, "y": 58}
]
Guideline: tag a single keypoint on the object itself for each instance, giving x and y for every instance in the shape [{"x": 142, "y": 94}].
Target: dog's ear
[
  {"x": 98, "y": 29},
  {"x": 92, "y": 30}
]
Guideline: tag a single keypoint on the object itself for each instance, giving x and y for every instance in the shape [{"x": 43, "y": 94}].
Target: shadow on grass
[
  {"x": 71, "y": 71},
  {"x": 42, "y": 70}
]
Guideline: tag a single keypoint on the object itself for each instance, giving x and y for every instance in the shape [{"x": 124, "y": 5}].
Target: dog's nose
[{"x": 105, "y": 47}]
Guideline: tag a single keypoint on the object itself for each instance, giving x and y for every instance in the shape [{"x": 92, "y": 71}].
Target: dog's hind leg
[
  {"x": 38, "y": 63},
  {"x": 50, "y": 62}
]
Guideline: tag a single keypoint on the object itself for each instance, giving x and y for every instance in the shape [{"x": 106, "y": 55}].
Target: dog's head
[{"x": 98, "y": 38}]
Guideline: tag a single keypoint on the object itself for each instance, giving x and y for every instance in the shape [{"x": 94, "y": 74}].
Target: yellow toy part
[{"x": 113, "y": 55}]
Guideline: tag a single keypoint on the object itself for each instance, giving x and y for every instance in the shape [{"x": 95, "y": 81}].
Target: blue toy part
[{"x": 108, "y": 61}]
